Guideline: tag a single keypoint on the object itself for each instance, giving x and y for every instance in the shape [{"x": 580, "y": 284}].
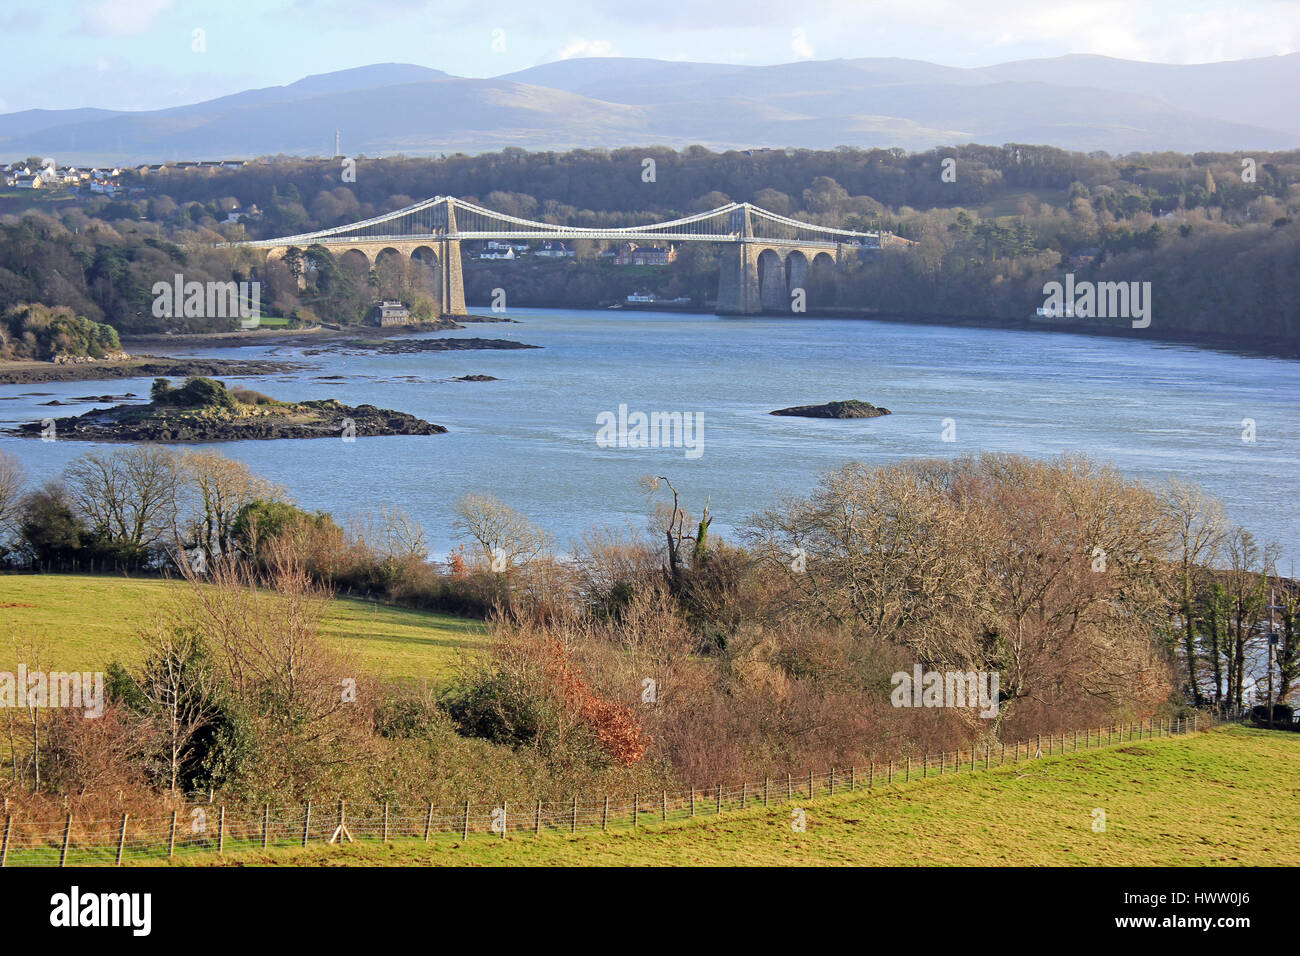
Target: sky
[{"x": 152, "y": 54}]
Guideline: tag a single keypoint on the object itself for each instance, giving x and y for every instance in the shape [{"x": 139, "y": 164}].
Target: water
[{"x": 1151, "y": 409}]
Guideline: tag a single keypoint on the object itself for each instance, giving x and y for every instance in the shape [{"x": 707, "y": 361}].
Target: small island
[
  {"x": 846, "y": 409},
  {"x": 205, "y": 410}
]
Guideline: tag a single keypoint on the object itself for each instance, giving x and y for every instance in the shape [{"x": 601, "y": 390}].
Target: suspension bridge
[{"x": 770, "y": 255}]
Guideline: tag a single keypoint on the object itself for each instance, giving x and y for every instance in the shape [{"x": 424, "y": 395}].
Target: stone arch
[
  {"x": 772, "y": 290},
  {"x": 425, "y": 253},
  {"x": 821, "y": 278},
  {"x": 796, "y": 275},
  {"x": 425, "y": 274},
  {"x": 353, "y": 254},
  {"x": 390, "y": 272}
]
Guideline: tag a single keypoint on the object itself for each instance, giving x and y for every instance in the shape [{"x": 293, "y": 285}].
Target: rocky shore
[
  {"x": 139, "y": 366},
  {"x": 151, "y": 423}
]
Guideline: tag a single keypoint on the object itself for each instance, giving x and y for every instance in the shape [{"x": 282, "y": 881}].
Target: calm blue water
[{"x": 1151, "y": 409}]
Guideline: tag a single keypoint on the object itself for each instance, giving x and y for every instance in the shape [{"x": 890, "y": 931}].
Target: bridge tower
[
  {"x": 738, "y": 292},
  {"x": 451, "y": 283}
]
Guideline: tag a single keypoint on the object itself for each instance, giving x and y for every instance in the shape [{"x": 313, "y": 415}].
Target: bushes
[
  {"x": 41, "y": 332},
  {"x": 197, "y": 392}
]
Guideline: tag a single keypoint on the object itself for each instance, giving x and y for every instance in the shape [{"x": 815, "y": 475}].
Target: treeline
[
  {"x": 1217, "y": 235},
  {"x": 665, "y": 659}
]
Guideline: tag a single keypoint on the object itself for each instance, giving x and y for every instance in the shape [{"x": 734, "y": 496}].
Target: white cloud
[
  {"x": 1157, "y": 30},
  {"x": 120, "y": 17},
  {"x": 581, "y": 46},
  {"x": 800, "y": 46}
]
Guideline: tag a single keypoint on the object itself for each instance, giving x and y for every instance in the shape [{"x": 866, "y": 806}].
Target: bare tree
[
  {"x": 180, "y": 682},
  {"x": 671, "y": 521},
  {"x": 127, "y": 495},
  {"x": 216, "y": 488},
  {"x": 505, "y": 538},
  {"x": 11, "y": 489},
  {"x": 1199, "y": 527}
]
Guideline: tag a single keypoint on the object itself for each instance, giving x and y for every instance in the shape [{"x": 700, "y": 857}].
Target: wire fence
[{"x": 214, "y": 828}]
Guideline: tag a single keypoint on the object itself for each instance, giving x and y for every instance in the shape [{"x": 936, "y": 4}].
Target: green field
[
  {"x": 1224, "y": 798},
  {"x": 85, "y": 622}
]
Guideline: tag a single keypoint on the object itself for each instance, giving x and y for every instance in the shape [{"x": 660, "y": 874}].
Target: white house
[{"x": 555, "y": 249}]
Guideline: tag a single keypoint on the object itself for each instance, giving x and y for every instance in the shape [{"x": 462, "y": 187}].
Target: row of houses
[
  {"x": 203, "y": 165},
  {"x": 500, "y": 249},
  {"x": 99, "y": 179},
  {"x": 627, "y": 254}
]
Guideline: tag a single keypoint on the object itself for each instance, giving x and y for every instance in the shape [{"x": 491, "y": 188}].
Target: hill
[{"x": 1084, "y": 103}]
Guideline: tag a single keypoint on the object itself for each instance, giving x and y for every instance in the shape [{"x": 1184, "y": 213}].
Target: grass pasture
[
  {"x": 86, "y": 621},
  {"x": 1222, "y": 798}
]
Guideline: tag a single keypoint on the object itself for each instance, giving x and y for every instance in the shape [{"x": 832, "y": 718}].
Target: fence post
[
  {"x": 789, "y": 788},
  {"x": 871, "y": 776},
  {"x": 891, "y": 771},
  {"x": 121, "y": 839},
  {"x": 810, "y": 784},
  {"x": 221, "y": 828},
  {"x": 428, "y": 822},
  {"x": 67, "y": 836},
  {"x": 832, "y": 781},
  {"x": 636, "y": 805},
  {"x": 766, "y": 783},
  {"x": 604, "y": 814},
  {"x": 853, "y": 779},
  {"x": 692, "y": 801},
  {"x": 908, "y": 778},
  {"x": 266, "y": 822},
  {"x": 306, "y": 823},
  {"x": 573, "y": 820},
  {"x": 537, "y": 819},
  {"x": 986, "y": 756},
  {"x": 744, "y": 794},
  {"x": 4, "y": 847},
  {"x": 384, "y": 837},
  {"x": 505, "y": 815},
  {"x": 719, "y": 805},
  {"x": 171, "y": 839},
  {"x": 464, "y": 829}
]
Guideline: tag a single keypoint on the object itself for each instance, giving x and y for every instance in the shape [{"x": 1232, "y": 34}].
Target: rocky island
[
  {"x": 205, "y": 410},
  {"x": 851, "y": 408}
]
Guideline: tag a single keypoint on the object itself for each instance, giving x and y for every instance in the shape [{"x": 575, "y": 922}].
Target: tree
[
  {"x": 11, "y": 487},
  {"x": 49, "y": 529},
  {"x": 215, "y": 488},
  {"x": 505, "y": 538},
  {"x": 180, "y": 698},
  {"x": 670, "y": 521},
  {"x": 127, "y": 497},
  {"x": 1047, "y": 573},
  {"x": 1199, "y": 528}
]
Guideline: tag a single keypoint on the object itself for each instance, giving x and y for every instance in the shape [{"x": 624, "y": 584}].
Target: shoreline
[{"x": 138, "y": 366}]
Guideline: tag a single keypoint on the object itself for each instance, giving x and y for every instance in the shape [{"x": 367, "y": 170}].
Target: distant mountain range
[{"x": 1074, "y": 102}]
